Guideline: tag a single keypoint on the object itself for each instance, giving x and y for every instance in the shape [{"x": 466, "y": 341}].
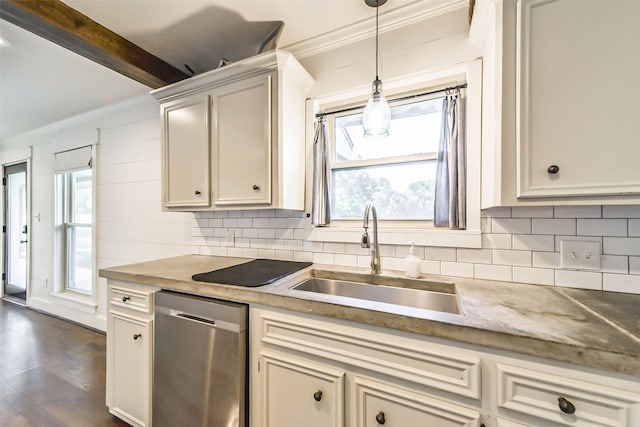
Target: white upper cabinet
[
  {"x": 234, "y": 137},
  {"x": 560, "y": 111},
  {"x": 186, "y": 152}
]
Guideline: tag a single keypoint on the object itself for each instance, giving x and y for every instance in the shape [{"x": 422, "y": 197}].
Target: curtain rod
[{"x": 404, "y": 98}]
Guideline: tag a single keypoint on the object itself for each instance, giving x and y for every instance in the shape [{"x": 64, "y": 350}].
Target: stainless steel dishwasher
[{"x": 200, "y": 362}]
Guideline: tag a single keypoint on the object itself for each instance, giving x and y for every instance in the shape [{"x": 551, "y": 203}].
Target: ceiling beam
[{"x": 65, "y": 26}]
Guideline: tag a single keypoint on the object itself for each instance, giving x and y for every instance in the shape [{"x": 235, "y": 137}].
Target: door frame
[{"x": 10, "y": 158}]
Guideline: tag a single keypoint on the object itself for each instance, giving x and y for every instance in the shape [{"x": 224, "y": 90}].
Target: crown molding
[{"x": 394, "y": 19}]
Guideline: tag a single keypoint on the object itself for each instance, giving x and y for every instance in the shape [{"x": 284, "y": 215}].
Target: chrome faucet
[{"x": 365, "y": 243}]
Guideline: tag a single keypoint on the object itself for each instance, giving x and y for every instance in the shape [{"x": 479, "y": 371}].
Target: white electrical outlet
[
  {"x": 580, "y": 254},
  {"x": 230, "y": 240}
]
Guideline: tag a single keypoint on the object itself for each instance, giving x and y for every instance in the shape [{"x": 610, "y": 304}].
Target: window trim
[{"x": 391, "y": 233}]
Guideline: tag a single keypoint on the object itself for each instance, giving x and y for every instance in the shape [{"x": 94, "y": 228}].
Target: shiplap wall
[
  {"x": 129, "y": 222},
  {"x": 518, "y": 244}
]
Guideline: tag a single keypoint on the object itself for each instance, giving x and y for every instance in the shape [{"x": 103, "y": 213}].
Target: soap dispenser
[{"x": 412, "y": 262}]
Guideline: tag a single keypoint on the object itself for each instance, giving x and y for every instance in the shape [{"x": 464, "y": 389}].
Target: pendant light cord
[{"x": 377, "y": 7}]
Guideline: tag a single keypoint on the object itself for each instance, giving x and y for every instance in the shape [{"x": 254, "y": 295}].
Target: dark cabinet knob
[
  {"x": 317, "y": 396},
  {"x": 553, "y": 169},
  {"x": 136, "y": 336},
  {"x": 125, "y": 299},
  {"x": 380, "y": 418},
  {"x": 197, "y": 192},
  {"x": 256, "y": 187},
  {"x": 566, "y": 406}
]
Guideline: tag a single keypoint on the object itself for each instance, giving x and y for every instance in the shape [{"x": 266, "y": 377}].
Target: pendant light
[{"x": 376, "y": 116}]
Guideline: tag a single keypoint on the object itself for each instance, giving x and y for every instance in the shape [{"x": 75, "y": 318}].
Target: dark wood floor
[{"x": 52, "y": 372}]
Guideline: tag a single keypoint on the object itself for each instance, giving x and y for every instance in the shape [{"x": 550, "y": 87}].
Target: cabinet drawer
[
  {"x": 380, "y": 403},
  {"x": 298, "y": 392},
  {"x": 401, "y": 357},
  {"x": 585, "y": 404},
  {"x": 132, "y": 299}
]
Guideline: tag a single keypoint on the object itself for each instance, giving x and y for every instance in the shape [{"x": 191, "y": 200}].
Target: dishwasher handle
[
  {"x": 188, "y": 317},
  {"x": 196, "y": 318}
]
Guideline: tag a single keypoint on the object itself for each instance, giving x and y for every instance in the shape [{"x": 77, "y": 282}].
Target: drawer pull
[
  {"x": 125, "y": 299},
  {"x": 380, "y": 418},
  {"x": 136, "y": 336},
  {"x": 553, "y": 169},
  {"x": 255, "y": 187},
  {"x": 317, "y": 396},
  {"x": 197, "y": 192},
  {"x": 566, "y": 406}
]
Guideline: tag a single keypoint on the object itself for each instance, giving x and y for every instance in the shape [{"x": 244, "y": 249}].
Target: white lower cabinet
[
  {"x": 129, "y": 353},
  {"x": 398, "y": 379},
  {"x": 308, "y": 372},
  {"x": 379, "y": 403},
  {"x": 298, "y": 392}
]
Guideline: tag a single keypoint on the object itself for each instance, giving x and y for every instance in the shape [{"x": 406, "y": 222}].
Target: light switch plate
[{"x": 580, "y": 254}]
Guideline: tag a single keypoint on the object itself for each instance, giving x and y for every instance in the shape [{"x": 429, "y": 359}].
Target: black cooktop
[{"x": 258, "y": 272}]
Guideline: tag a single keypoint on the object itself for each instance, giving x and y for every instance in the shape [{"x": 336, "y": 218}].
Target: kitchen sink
[{"x": 418, "y": 298}]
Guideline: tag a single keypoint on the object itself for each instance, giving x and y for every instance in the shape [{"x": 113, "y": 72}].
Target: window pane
[
  {"x": 81, "y": 196},
  {"x": 403, "y": 191},
  {"x": 79, "y": 262},
  {"x": 415, "y": 129}
]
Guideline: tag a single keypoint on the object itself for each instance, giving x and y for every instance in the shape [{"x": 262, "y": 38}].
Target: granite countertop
[{"x": 590, "y": 328}]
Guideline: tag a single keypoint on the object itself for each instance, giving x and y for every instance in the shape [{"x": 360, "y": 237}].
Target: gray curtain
[
  {"x": 320, "y": 209},
  {"x": 450, "y": 208}
]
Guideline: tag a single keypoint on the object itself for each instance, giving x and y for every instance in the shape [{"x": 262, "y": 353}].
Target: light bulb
[{"x": 376, "y": 117}]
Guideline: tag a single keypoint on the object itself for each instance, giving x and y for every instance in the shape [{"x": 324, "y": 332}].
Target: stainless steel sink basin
[{"x": 418, "y": 298}]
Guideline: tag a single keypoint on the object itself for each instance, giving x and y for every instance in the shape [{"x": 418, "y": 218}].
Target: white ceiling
[{"x": 41, "y": 83}]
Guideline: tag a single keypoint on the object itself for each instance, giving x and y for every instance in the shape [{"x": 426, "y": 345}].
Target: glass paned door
[{"x": 15, "y": 246}]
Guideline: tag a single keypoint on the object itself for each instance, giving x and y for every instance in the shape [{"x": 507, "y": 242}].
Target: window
[
  {"x": 76, "y": 196},
  {"x": 396, "y": 173}
]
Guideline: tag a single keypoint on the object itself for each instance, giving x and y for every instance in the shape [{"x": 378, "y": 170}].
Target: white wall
[{"x": 130, "y": 225}]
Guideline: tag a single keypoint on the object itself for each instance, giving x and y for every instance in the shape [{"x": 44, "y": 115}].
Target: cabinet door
[
  {"x": 578, "y": 127},
  {"x": 241, "y": 141},
  {"x": 378, "y": 403},
  {"x": 129, "y": 377},
  {"x": 186, "y": 152},
  {"x": 297, "y": 392}
]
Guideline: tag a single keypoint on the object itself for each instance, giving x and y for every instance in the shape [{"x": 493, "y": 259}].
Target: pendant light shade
[{"x": 376, "y": 117}]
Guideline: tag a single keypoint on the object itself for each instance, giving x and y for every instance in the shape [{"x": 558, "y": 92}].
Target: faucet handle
[{"x": 364, "y": 243}]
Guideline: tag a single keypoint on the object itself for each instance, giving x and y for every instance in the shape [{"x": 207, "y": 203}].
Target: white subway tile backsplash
[
  {"x": 323, "y": 258},
  {"x": 336, "y": 248},
  {"x": 621, "y": 211},
  {"x": 430, "y": 267},
  {"x": 440, "y": 254},
  {"x": 579, "y": 279},
  {"x": 458, "y": 269},
  {"x": 535, "y": 276},
  {"x": 500, "y": 212},
  {"x": 346, "y": 260},
  {"x": 267, "y": 233},
  {"x": 496, "y": 241},
  {"x": 602, "y": 227},
  {"x": 481, "y": 256},
  {"x": 553, "y": 226},
  {"x": 518, "y": 244},
  {"x": 614, "y": 264},
  {"x": 511, "y": 225},
  {"x": 532, "y": 212},
  {"x": 577, "y": 211},
  {"x": 493, "y": 272},
  {"x": 533, "y": 242},
  {"x": 621, "y": 246},
  {"x": 516, "y": 258},
  {"x": 485, "y": 225},
  {"x": 621, "y": 283}
]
